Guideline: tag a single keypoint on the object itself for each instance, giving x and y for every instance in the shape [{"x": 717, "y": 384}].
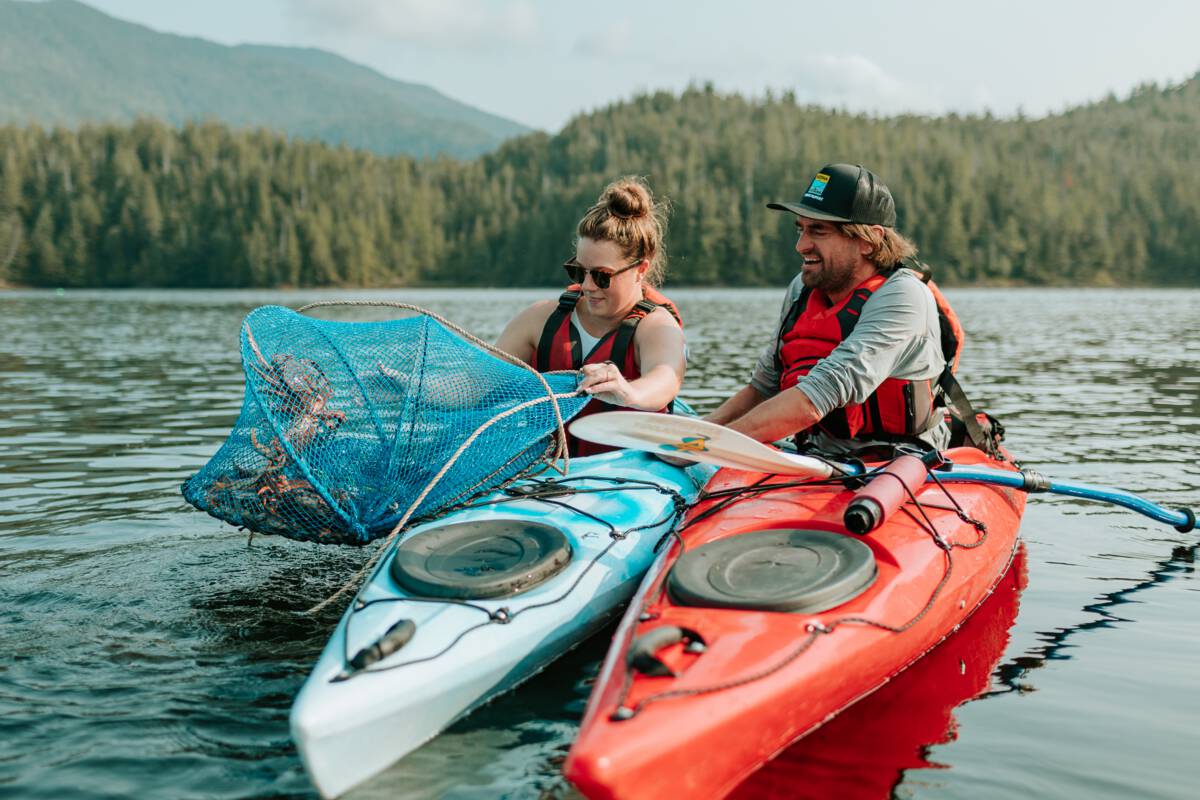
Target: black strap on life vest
[
  {"x": 848, "y": 317},
  {"x": 948, "y": 338},
  {"x": 798, "y": 306},
  {"x": 566, "y": 305},
  {"x": 625, "y": 331},
  {"x": 623, "y": 336},
  {"x": 960, "y": 408},
  {"x": 919, "y": 267},
  {"x": 950, "y": 391},
  {"x": 789, "y": 321},
  {"x": 876, "y": 415}
]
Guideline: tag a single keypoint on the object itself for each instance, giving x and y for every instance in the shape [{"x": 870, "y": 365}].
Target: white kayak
[{"x": 470, "y": 605}]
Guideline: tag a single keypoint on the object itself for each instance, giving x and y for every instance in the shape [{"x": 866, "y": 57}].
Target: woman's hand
[{"x": 606, "y": 383}]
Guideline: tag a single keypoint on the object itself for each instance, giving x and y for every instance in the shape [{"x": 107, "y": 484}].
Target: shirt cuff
[
  {"x": 822, "y": 399},
  {"x": 762, "y": 387}
]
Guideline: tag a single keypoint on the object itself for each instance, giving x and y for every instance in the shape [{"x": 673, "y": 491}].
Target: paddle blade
[{"x": 693, "y": 439}]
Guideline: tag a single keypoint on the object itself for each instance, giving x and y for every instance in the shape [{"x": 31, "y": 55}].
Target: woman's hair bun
[
  {"x": 627, "y": 213},
  {"x": 628, "y": 199}
]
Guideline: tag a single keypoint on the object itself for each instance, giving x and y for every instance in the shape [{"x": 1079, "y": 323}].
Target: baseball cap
[{"x": 845, "y": 193}]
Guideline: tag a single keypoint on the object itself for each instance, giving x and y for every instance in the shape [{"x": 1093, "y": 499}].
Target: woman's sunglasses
[{"x": 602, "y": 277}]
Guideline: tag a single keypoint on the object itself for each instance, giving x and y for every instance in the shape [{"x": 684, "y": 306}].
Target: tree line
[{"x": 1104, "y": 194}]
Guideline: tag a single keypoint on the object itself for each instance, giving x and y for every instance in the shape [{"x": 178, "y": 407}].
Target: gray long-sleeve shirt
[{"x": 897, "y": 336}]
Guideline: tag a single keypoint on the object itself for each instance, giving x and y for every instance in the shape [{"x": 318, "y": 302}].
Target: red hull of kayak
[
  {"x": 864, "y": 752},
  {"x": 690, "y": 738}
]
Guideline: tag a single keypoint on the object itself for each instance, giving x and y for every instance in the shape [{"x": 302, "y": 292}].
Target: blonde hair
[
  {"x": 887, "y": 249},
  {"x": 628, "y": 215}
]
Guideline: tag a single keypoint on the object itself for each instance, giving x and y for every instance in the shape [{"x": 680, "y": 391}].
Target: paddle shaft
[
  {"x": 699, "y": 440},
  {"x": 1182, "y": 519}
]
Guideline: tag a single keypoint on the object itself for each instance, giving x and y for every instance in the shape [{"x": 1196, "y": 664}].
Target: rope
[
  {"x": 814, "y": 630},
  {"x": 358, "y": 576},
  {"x": 556, "y": 451},
  {"x": 560, "y": 451},
  {"x": 504, "y": 618}
]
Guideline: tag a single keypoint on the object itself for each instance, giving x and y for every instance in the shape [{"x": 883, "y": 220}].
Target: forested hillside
[
  {"x": 1104, "y": 194},
  {"x": 65, "y": 63}
]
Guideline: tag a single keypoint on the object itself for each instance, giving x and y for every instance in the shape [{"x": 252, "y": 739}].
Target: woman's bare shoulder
[
  {"x": 538, "y": 312},
  {"x": 661, "y": 317},
  {"x": 521, "y": 333}
]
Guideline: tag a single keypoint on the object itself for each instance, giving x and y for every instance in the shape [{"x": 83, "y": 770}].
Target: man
[{"x": 858, "y": 350}]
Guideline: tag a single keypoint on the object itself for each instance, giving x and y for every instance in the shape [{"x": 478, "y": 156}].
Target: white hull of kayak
[{"x": 349, "y": 730}]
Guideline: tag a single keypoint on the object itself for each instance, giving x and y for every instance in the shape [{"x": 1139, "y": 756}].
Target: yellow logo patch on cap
[{"x": 817, "y": 188}]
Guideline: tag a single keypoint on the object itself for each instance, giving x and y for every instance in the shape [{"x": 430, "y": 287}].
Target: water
[{"x": 149, "y": 651}]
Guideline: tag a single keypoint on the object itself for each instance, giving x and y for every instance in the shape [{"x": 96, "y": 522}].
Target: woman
[{"x": 611, "y": 323}]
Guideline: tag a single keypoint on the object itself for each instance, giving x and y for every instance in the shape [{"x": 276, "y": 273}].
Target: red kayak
[
  {"x": 766, "y": 618},
  {"x": 864, "y": 752}
]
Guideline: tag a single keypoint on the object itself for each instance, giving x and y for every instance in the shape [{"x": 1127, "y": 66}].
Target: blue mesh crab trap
[{"x": 348, "y": 429}]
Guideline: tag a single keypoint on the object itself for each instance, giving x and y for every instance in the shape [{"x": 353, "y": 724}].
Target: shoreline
[{"x": 6, "y": 288}]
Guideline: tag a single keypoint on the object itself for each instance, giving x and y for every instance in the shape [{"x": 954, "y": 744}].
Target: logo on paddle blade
[{"x": 689, "y": 444}]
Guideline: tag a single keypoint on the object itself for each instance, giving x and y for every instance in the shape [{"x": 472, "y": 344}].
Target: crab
[
  {"x": 305, "y": 393},
  {"x": 282, "y": 496}
]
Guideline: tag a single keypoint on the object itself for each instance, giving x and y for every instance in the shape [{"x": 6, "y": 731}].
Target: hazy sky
[{"x": 540, "y": 61}]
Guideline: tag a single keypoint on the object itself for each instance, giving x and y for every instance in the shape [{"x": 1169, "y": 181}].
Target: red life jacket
[
  {"x": 897, "y": 409},
  {"x": 559, "y": 348}
]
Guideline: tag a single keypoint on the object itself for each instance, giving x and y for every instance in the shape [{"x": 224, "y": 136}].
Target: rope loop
[{"x": 555, "y": 452}]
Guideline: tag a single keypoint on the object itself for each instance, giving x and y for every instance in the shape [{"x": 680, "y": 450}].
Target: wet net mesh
[{"x": 345, "y": 424}]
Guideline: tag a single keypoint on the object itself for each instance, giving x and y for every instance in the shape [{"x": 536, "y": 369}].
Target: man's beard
[{"x": 833, "y": 278}]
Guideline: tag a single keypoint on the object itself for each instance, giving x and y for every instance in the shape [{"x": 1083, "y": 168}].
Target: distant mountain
[{"x": 62, "y": 62}]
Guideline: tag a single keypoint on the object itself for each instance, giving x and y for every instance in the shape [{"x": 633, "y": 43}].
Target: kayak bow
[
  {"x": 766, "y": 618},
  {"x": 472, "y": 604}
]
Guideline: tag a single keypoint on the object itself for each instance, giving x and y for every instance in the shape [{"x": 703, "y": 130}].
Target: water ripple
[{"x": 154, "y": 653}]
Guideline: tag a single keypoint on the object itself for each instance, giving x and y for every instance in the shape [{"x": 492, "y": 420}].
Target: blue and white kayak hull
[{"x": 465, "y": 652}]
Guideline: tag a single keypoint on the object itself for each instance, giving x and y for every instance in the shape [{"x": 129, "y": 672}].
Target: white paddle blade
[{"x": 693, "y": 439}]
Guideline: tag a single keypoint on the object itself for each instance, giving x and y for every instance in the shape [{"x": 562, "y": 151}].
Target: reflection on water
[
  {"x": 154, "y": 653},
  {"x": 1106, "y": 613},
  {"x": 863, "y": 753}
]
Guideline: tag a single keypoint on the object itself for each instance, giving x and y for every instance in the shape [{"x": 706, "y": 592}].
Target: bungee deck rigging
[
  {"x": 739, "y": 683},
  {"x": 402, "y": 665},
  {"x": 415, "y": 435},
  {"x": 544, "y": 491},
  {"x": 692, "y": 673},
  {"x": 814, "y": 630}
]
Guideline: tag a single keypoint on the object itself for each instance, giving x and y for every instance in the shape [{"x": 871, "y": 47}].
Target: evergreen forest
[{"x": 1103, "y": 194}]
